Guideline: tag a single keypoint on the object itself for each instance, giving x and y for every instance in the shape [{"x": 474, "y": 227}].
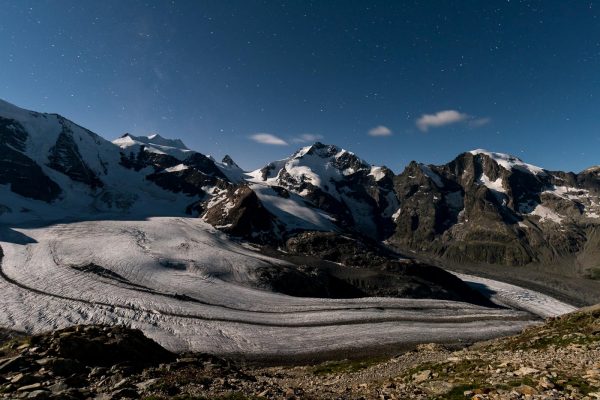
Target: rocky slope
[
  {"x": 554, "y": 360},
  {"x": 493, "y": 208}
]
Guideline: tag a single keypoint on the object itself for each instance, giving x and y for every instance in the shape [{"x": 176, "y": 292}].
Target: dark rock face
[
  {"x": 145, "y": 159},
  {"x": 227, "y": 160},
  {"x": 101, "y": 362},
  {"x": 23, "y": 174},
  {"x": 103, "y": 346},
  {"x": 306, "y": 281},
  {"x": 205, "y": 165},
  {"x": 65, "y": 157},
  {"x": 376, "y": 271},
  {"x": 239, "y": 212},
  {"x": 474, "y": 210},
  {"x": 198, "y": 171},
  {"x": 189, "y": 181},
  {"x": 453, "y": 216}
]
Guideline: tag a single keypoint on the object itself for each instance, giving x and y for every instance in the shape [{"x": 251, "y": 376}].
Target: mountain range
[{"x": 480, "y": 208}]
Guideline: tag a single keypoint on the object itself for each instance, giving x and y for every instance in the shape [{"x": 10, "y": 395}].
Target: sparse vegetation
[{"x": 344, "y": 366}]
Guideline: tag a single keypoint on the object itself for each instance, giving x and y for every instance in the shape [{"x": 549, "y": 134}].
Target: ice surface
[
  {"x": 189, "y": 287},
  {"x": 520, "y": 298}
]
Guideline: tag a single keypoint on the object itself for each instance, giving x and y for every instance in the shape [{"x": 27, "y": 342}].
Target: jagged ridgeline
[{"x": 481, "y": 207}]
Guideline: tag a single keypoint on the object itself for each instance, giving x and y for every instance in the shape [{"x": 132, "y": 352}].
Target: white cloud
[
  {"x": 477, "y": 122},
  {"x": 307, "y": 138},
  {"x": 380, "y": 131},
  {"x": 440, "y": 118},
  {"x": 267, "y": 138}
]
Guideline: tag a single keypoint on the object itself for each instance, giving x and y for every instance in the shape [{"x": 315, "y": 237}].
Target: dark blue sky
[{"x": 517, "y": 77}]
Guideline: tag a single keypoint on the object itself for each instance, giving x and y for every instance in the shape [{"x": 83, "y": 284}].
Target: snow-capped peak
[
  {"x": 227, "y": 160},
  {"x": 231, "y": 170},
  {"x": 510, "y": 162},
  {"x": 594, "y": 170},
  {"x": 154, "y": 139},
  {"x": 155, "y": 144},
  {"x": 319, "y": 164},
  {"x": 325, "y": 151},
  {"x": 8, "y": 110}
]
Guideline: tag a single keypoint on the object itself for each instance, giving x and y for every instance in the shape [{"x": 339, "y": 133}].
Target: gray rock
[
  {"x": 58, "y": 387},
  {"x": 38, "y": 395},
  {"x": 29, "y": 388},
  {"x": 11, "y": 364},
  {"x": 145, "y": 385},
  {"x": 24, "y": 379},
  {"x": 129, "y": 393}
]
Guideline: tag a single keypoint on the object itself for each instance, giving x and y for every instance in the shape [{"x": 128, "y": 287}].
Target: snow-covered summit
[
  {"x": 509, "y": 162},
  {"x": 227, "y": 160},
  {"x": 336, "y": 180},
  {"x": 8, "y": 110},
  {"x": 592, "y": 170},
  {"x": 231, "y": 170},
  {"x": 154, "y": 144},
  {"x": 317, "y": 164},
  {"x": 161, "y": 141}
]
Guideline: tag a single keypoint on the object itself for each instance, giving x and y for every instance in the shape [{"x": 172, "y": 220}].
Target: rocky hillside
[
  {"x": 494, "y": 208},
  {"x": 554, "y": 360}
]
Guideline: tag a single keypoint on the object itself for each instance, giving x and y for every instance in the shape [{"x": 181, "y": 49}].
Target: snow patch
[
  {"x": 432, "y": 175},
  {"x": 177, "y": 168},
  {"x": 546, "y": 214},
  {"x": 377, "y": 173},
  {"x": 509, "y": 162},
  {"x": 493, "y": 185}
]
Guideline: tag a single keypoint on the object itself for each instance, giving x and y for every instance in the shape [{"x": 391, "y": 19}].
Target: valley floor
[{"x": 190, "y": 288}]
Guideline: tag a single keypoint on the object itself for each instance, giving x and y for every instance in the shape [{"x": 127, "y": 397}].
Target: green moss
[
  {"x": 521, "y": 382},
  {"x": 4, "y": 389},
  {"x": 457, "y": 392},
  {"x": 594, "y": 273},
  {"x": 344, "y": 366},
  {"x": 446, "y": 370},
  {"x": 576, "y": 329},
  {"x": 579, "y": 383}
]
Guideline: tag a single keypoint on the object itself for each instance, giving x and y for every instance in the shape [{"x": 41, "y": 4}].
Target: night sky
[{"x": 392, "y": 81}]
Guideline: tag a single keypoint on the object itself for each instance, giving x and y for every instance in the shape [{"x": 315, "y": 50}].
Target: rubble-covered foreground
[{"x": 556, "y": 360}]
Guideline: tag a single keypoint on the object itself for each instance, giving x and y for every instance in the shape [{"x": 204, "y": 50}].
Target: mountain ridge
[{"x": 481, "y": 207}]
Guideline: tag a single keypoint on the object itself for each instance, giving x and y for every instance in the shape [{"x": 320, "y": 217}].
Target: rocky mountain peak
[
  {"x": 154, "y": 144},
  {"x": 152, "y": 140},
  {"x": 228, "y": 161},
  {"x": 592, "y": 170},
  {"x": 319, "y": 155},
  {"x": 508, "y": 162}
]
